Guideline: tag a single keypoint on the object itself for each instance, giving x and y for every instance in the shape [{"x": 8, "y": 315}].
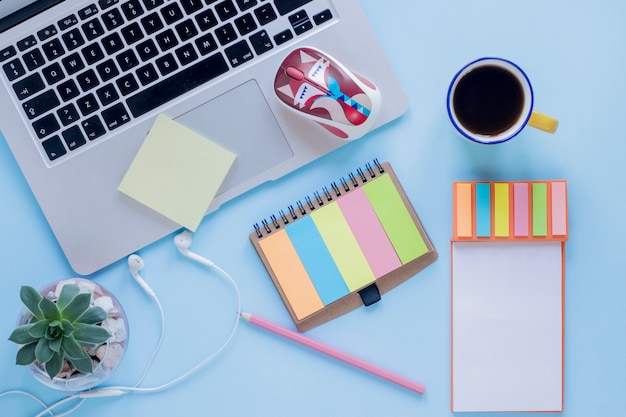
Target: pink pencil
[{"x": 330, "y": 351}]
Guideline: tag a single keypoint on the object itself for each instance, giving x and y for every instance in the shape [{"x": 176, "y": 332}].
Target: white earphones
[
  {"x": 135, "y": 264},
  {"x": 183, "y": 243}
]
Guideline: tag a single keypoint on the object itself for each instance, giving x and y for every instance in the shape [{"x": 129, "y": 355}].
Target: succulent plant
[{"x": 59, "y": 331}]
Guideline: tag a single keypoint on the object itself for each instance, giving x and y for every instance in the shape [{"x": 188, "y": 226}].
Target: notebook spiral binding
[{"x": 327, "y": 195}]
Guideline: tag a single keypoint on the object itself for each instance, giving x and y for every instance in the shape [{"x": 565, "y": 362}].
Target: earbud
[
  {"x": 183, "y": 243},
  {"x": 135, "y": 264}
]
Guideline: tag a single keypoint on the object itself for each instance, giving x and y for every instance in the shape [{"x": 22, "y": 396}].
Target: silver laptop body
[{"x": 74, "y": 154}]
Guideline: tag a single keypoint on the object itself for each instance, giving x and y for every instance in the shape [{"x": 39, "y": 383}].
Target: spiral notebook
[{"x": 344, "y": 246}]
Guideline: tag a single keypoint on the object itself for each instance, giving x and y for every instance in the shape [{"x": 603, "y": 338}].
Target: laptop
[{"x": 83, "y": 81}]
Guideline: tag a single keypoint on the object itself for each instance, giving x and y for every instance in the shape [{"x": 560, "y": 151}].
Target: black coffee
[{"x": 488, "y": 100}]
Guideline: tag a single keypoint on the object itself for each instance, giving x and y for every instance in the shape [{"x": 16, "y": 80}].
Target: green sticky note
[
  {"x": 343, "y": 246},
  {"x": 177, "y": 172},
  {"x": 540, "y": 209},
  {"x": 395, "y": 218}
]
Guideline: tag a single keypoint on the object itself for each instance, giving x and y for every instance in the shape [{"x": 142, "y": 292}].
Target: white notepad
[{"x": 508, "y": 252}]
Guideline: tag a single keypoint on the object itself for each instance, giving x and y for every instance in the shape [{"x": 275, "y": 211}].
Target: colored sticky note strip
[
  {"x": 501, "y": 209},
  {"x": 395, "y": 218},
  {"x": 343, "y": 246},
  {"x": 559, "y": 209},
  {"x": 464, "y": 210},
  {"x": 291, "y": 274},
  {"x": 177, "y": 172},
  {"x": 317, "y": 260},
  {"x": 520, "y": 210},
  {"x": 369, "y": 232},
  {"x": 540, "y": 209},
  {"x": 483, "y": 210}
]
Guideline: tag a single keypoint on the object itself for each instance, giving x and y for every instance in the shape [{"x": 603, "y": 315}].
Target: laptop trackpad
[{"x": 242, "y": 122}]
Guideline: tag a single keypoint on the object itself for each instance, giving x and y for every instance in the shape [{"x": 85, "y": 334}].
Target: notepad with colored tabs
[
  {"x": 508, "y": 272},
  {"x": 344, "y": 246},
  {"x": 177, "y": 172}
]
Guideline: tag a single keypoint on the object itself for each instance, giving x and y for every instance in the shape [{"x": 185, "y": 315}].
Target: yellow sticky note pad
[{"x": 177, "y": 172}]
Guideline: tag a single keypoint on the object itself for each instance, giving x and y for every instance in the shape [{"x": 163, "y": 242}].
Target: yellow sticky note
[{"x": 177, "y": 172}]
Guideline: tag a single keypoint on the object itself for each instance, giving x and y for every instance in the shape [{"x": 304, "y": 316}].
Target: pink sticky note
[
  {"x": 559, "y": 209},
  {"x": 520, "y": 209}
]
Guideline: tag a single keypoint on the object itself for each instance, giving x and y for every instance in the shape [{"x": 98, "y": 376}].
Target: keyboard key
[
  {"x": 172, "y": 13},
  {"x": 107, "y": 94},
  {"x": 93, "y": 128},
  {"x": 112, "y": 43},
  {"x": 54, "y": 147},
  {"x": 53, "y": 73},
  {"x": 147, "y": 74},
  {"x": 68, "y": 22},
  {"x": 239, "y": 53},
  {"x": 191, "y": 6},
  {"x": 177, "y": 85},
  {"x": 107, "y": 3},
  {"x": 6, "y": 53},
  {"x": 127, "y": 84},
  {"x": 88, "y": 11},
  {"x": 47, "y": 32},
  {"x": 225, "y": 10},
  {"x": 283, "y": 37},
  {"x": 167, "y": 40},
  {"x": 67, "y": 114},
  {"x": 26, "y": 43},
  {"x": 206, "y": 44},
  {"x": 261, "y": 42},
  {"x": 14, "y": 69},
  {"x": 186, "y": 54},
  {"x": 166, "y": 64},
  {"x": 112, "y": 19},
  {"x": 87, "y": 104},
  {"x": 33, "y": 59},
  {"x": 152, "y": 4},
  {"x": 152, "y": 23},
  {"x": 29, "y": 86},
  {"x": 147, "y": 49},
  {"x": 300, "y": 22},
  {"x": 46, "y": 126},
  {"x": 73, "y": 39},
  {"x": 132, "y": 33},
  {"x": 127, "y": 60},
  {"x": 245, "y": 24},
  {"x": 87, "y": 80},
  {"x": 53, "y": 49},
  {"x": 115, "y": 116},
  {"x": 73, "y": 63},
  {"x": 107, "y": 70},
  {"x": 322, "y": 17},
  {"x": 226, "y": 34},
  {"x": 246, "y": 4},
  {"x": 206, "y": 20},
  {"x": 186, "y": 30},
  {"x": 93, "y": 29},
  {"x": 92, "y": 53},
  {"x": 68, "y": 90},
  {"x": 265, "y": 14},
  {"x": 286, "y": 6},
  {"x": 132, "y": 9},
  {"x": 41, "y": 104},
  {"x": 73, "y": 138}
]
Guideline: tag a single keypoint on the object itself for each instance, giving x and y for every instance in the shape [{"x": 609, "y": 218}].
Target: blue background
[{"x": 574, "y": 53}]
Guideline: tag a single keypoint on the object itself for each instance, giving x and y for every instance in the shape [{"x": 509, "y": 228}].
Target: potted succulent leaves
[{"x": 71, "y": 335}]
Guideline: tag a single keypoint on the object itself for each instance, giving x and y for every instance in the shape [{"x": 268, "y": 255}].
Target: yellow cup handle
[{"x": 543, "y": 122}]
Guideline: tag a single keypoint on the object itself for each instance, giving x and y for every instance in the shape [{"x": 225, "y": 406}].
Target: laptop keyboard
[{"x": 116, "y": 60}]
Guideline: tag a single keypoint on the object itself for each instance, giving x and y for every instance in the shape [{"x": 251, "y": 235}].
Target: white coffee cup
[{"x": 490, "y": 101}]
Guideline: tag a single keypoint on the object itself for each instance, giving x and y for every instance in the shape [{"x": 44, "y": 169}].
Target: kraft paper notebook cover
[
  {"x": 508, "y": 277},
  {"x": 344, "y": 247}
]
